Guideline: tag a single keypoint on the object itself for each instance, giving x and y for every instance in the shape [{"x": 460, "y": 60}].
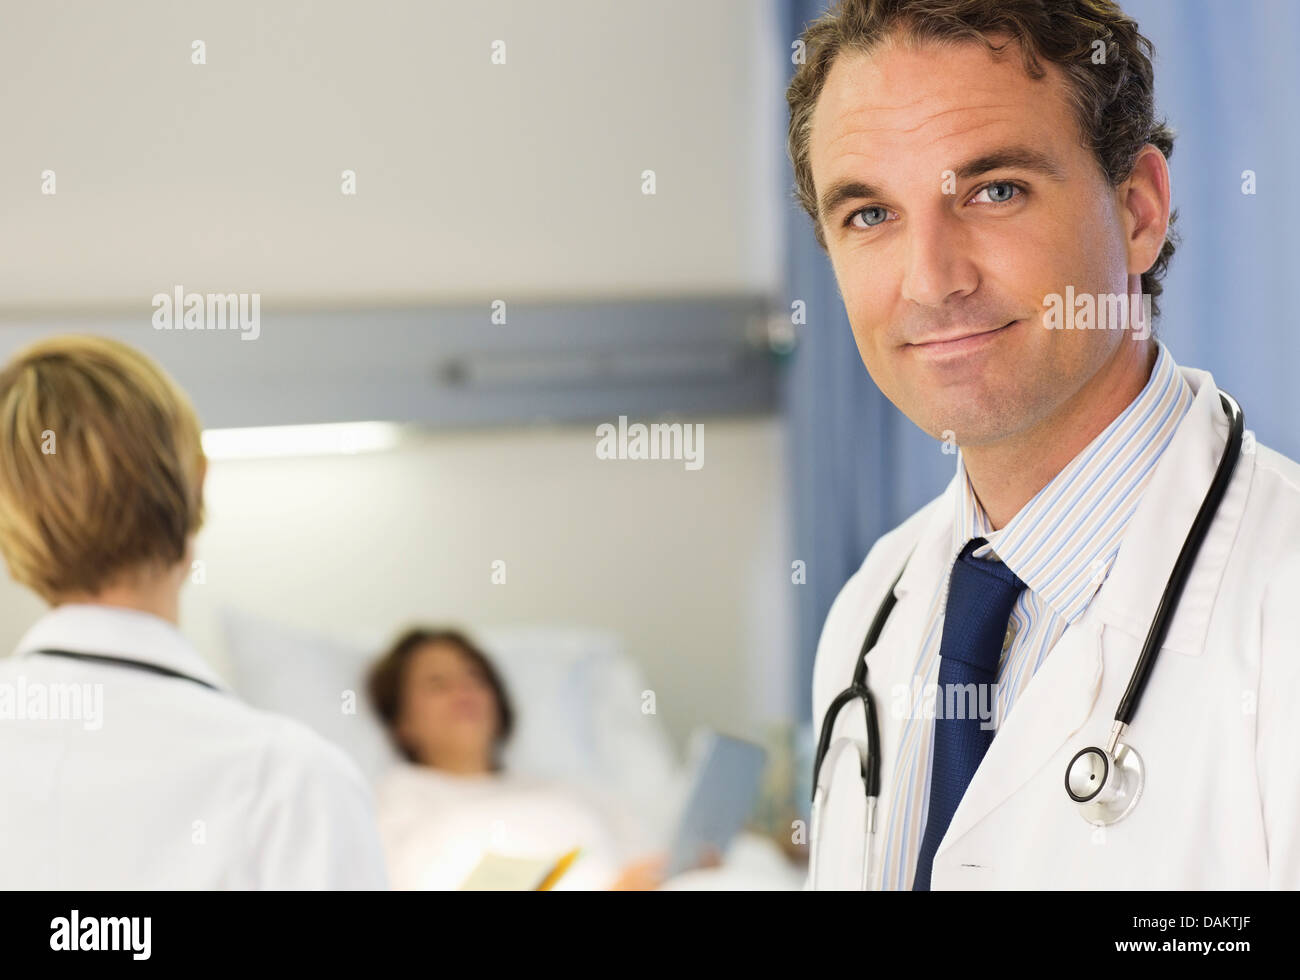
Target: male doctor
[{"x": 981, "y": 181}]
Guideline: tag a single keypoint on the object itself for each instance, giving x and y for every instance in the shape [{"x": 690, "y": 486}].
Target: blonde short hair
[{"x": 101, "y": 466}]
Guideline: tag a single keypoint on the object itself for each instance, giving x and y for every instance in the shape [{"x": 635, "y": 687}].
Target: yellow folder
[{"x": 498, "y": 873}]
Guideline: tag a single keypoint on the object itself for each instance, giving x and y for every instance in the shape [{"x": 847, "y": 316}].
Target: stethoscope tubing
[
  {"x": 100, "y": 658},
  {"x": 1186, "y": 559}
]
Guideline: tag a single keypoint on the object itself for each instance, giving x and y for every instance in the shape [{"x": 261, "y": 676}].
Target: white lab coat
[
  {"x": 170, "y": 785},
  {"x": 1217, "y": 725}
]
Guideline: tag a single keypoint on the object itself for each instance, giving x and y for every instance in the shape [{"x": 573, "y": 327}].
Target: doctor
[
  {"x": 127, "y": 763},
  {"x": 960, "y": 198}
]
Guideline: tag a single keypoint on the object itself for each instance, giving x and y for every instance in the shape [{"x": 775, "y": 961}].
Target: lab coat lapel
[
  {"x": 929, "y": 561},
  {"x": 1153, "y": 540}
]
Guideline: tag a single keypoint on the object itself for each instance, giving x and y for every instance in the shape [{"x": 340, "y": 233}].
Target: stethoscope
[
  {"x": 1104, "y": 783},
  {"x": 101, "y": 658}
]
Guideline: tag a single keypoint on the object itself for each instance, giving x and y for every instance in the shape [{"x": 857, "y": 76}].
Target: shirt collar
[
  {"x": 1062, "y": 543},
  {"x": 114, "y": 631}
]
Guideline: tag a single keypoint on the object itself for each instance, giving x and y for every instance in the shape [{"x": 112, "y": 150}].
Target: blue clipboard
[{"x": 722, "y": 796}]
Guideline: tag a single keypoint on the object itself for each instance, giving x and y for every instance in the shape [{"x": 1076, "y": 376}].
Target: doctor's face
[
  {"x": 449, "y": 711},
  {"x": 965, "y": 197}
]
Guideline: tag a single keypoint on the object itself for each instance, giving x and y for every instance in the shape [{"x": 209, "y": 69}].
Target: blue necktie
[{"x": 980, "y": 596}]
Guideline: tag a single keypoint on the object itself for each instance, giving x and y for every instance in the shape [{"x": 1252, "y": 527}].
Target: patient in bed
[{"x": 448, "y": 714}]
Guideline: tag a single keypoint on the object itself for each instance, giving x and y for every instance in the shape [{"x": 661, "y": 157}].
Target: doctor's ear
[{"x": 1143, "y": 200}]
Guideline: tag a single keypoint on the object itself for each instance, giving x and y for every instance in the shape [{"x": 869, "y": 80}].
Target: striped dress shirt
[{"x": 1061, "y": 544}]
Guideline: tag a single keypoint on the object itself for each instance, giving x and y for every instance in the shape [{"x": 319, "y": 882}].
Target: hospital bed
[{"x": 579, "y": 724}]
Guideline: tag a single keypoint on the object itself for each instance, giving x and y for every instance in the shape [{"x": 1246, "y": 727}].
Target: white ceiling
[{"x": 474, "y": 180}]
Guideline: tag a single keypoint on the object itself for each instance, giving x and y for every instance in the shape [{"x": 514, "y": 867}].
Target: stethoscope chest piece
[{"x": 1105, "y": 787}]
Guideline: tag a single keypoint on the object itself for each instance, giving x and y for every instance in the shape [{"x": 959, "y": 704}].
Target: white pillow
[
  {"x": 317, "y": 680},
  {"x": 577, "y": 702}
]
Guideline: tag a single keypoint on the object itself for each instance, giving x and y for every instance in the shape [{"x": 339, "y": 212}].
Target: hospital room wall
[
  {"x": 689, "y": 568},
  {"x": 474, "y": 180}
]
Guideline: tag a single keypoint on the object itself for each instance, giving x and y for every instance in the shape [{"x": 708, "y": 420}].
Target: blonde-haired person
[{"x": 128, "y": 763}]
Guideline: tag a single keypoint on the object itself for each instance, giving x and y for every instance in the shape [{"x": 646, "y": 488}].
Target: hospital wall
[{"x": 474, "y": 179}]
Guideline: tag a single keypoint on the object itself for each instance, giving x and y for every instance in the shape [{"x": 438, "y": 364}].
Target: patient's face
[{"x": 449, "y": 710}]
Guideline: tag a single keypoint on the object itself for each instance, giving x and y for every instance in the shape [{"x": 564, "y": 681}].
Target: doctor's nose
[{"x": 937, "y": 268}]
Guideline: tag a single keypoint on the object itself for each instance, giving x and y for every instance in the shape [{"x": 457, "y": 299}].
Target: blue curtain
[{"x": 1226, "y": 77}]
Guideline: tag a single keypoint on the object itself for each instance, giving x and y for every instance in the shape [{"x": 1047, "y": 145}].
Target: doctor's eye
[
  {"x": 871, "y": 217},
  {"x": 999, "y": 192}
]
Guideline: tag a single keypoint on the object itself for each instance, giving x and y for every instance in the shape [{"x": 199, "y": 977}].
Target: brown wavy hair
[
  {"x": 1114, "y": 102},
  {"x": 388, "y": 676}
]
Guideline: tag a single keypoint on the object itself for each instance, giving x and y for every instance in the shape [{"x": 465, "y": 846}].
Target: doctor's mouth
[
  {"x": 961, "y": 344},
  {"x": 1071, "y": 310}
]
